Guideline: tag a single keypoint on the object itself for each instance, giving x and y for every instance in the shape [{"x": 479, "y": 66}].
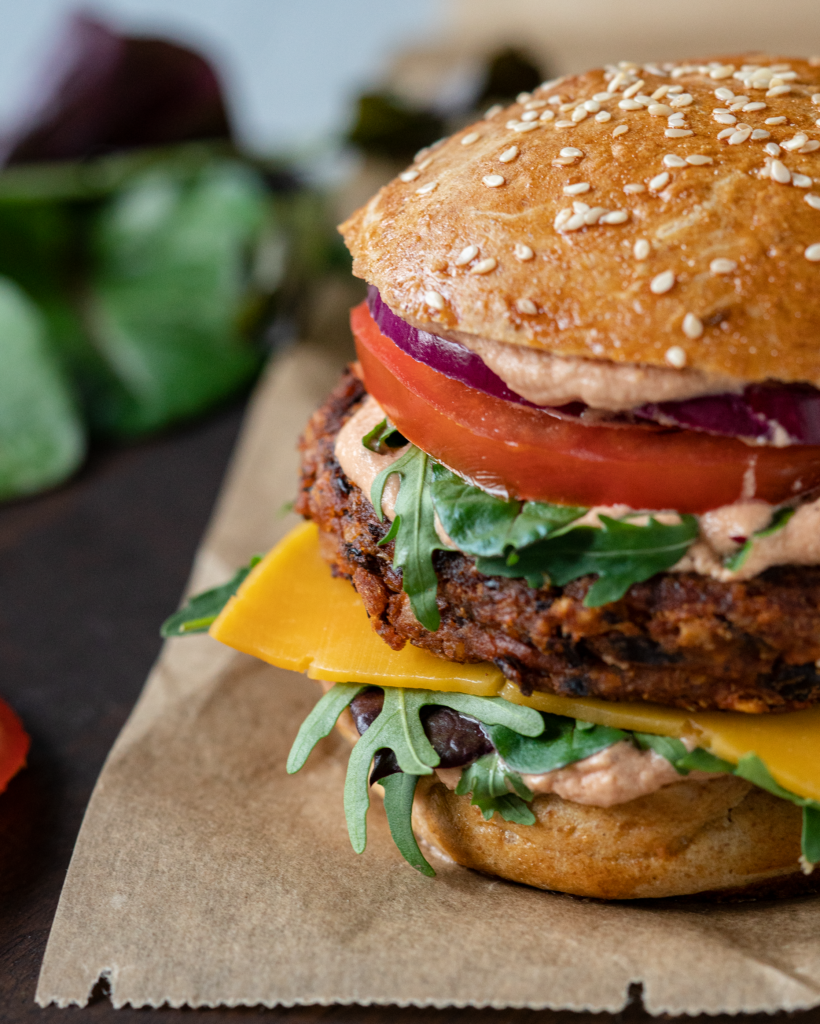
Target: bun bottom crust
[{"x": 724, "y": 838}]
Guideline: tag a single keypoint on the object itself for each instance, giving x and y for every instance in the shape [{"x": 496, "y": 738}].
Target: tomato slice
[
  {"x": 14, "y": 744},
  {"x": 536, "y": 455}
]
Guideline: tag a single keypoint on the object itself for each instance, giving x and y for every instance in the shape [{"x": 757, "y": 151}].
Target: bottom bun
[{"x": 721, "y": 837}]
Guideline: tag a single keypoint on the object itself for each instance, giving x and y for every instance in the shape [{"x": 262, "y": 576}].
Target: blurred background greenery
[{"x": 148, "y": 262}]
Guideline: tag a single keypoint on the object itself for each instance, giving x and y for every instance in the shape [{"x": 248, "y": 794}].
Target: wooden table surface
[{"x": 88, "y": 573}]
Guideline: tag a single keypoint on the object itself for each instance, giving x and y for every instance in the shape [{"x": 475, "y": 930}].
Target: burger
[{"x": 573, "y": 483}]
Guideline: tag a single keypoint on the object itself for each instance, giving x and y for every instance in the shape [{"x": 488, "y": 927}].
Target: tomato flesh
[
  {"x": 535, "y": 455},
  {"x": 14, "y": 744}
]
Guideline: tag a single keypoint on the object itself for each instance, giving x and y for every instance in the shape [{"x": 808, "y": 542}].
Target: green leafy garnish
[
  {"x": 667, "y": 746},
  {"x": 482, "y": 524},
  {"x": 383, "y": 436},
  {"x": 486, "y": 779},
  {"x": 399, "y": 790},
  {"x": 397, "y": 727},
  {"x": 199, "y": 612},
  {"x": 563, "y": 741},
  {"x": 620, "y": 553},
  {"x": 414, "y": 532},
  {"x": 779, "y": 520}
]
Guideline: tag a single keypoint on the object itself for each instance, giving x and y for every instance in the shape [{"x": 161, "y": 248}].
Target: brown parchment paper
[{"x": 205, "y": 875}]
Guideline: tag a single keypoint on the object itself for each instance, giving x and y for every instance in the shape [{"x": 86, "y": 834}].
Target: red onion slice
[{"x": 764, "y": 413}]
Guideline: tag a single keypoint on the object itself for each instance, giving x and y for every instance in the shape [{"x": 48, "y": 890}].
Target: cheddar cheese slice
[{"x": 292, "y": 613}]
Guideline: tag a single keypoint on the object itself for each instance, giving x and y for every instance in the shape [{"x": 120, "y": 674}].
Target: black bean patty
[{"x": 678, "y": 639}]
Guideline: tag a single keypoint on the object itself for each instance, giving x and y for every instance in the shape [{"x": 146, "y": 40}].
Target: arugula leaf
[
  {"x": 414, "y": 532},
  {"x": 482, "y": 524},
  {"x": 200, "y": 611},
  {"x": 42, "y": 439},
  {"x": 667, "y": 746},
  {"x": 320, "y": 722},
  {"x": 700, "y": 760},
  {"x": 810, "y": 840},
  {"x": 778, "y": 521},
  {"x": 383, "y": 435},
  {"x": 487, "y": 780},
  {"x": 619, "y": 553},
  {"x": 399, "y": 790},
  {"x": 563, "y": 741}
]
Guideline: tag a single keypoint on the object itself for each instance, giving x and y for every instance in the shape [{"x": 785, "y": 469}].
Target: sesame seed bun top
[{"x": 659, "y": 214}]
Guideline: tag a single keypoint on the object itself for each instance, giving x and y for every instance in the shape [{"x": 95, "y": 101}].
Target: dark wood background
[{"x": 88, "y": 572}]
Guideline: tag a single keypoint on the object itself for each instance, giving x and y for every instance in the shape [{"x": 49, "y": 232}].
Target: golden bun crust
[
  {"x": 718, "y": 837},
  {"x": 584, "y": 292}
]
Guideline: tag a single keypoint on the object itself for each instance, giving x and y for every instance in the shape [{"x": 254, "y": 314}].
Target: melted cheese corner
[{"x": 292, "y": 613}]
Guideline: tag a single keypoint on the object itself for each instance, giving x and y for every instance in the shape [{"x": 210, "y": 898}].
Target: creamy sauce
[
  {"x": 722, "y": 531},
  {"x": 616, "y": 775},
  {"x": 547, "y": 379}
]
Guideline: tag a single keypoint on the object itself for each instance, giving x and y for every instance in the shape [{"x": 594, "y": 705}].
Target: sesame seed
[
  {"x": 772, "y": 149},
  {"x": 561, "y": 218},
  {"x": 617, "y": 82},
  {"x": 659, "y": 109},
  {"x": 580, "y": 207},
  {"x": 523, "y": 252},
  {"x": 799, "y": 140},
  {"x": 509, "y": 154},
  {"x": 660, "y": 92},
  {"x": 698, "y": 160},
  {"x": 676, "y": 121},
  {"x": 526, "y": 306},
  {"x": 594, "y": 215},
  {"x": 526, "y": 126},
  {"x": 565, "y": 124},
  {"x": 410, "y": 175},
  {"x": 634, "y": 187},
  {"x": 779, "y": 90},
  {"x": 522, "y": 97},
  {"x": 722, "y": 266},
  {"x": 630, "y": 105},
  {"x": 571, "y": 152},
  {"x": 813, "y": 201},
  {"x": 802, "y": 181},
  {"x": 635, "y": 88},
  {"x": 468, "y": 140},
  {"x": 780, "y": 172},
  {"x": 747, "y": 108},
  {"x": 810, "y": 146},
  {"x": 575, "y": 222},
  {"x": 640, "y": 249},
  {"x": 425, "y": 189},
  {"x": 673, "y": 160},
  {"x": 495, "y": 109},
  {"x": 604, "y": 115},
  {"x": 677, "y": 133},
  {"x": 726, "y": 133},
  {"x": 535, "y": 104},
  {"x": 493, "y": 180},
  {"x": 813, "y": 253},
  {"x": 511, "y": 124},
  {"x": 620, "y": 130},
  {"x": 529, "y": 115},
  {"x": 602, "y": 97},
  {"x": 724, "y": 117},
  {"x": 659, "y": 181},
  {"x": 736, "y": 138},
  {"x": 724, "y": 94},
  {"x": 579, "y": 114},
  {"x": 485, "y": 266},
  {"x": 547, "y": 115},
  {"x": 662, "y": 282},
  {"x": 816, "y": 99},
  {"x": 616, "y": 217},
  {"x": 775, "y": 120},
  {"x": 722, "y": 72},
  {"x": 683, "y": 100},
  {"x": 676, "y": 357},
  {"x": 692, "y": 327},
  {"x": 760, "y": 133},
  {"x": 578, "y": 189},
  {"x": 466, "y": 255},
  {"x": 434, "y": 300},
  {"x": 592, "y": 106}
]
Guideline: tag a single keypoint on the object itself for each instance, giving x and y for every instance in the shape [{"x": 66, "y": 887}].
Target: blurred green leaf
[
  {"x": 171, "y": 265},
  {"x": 389, "y": 126},
  {"x": 41, "y": 435}
]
